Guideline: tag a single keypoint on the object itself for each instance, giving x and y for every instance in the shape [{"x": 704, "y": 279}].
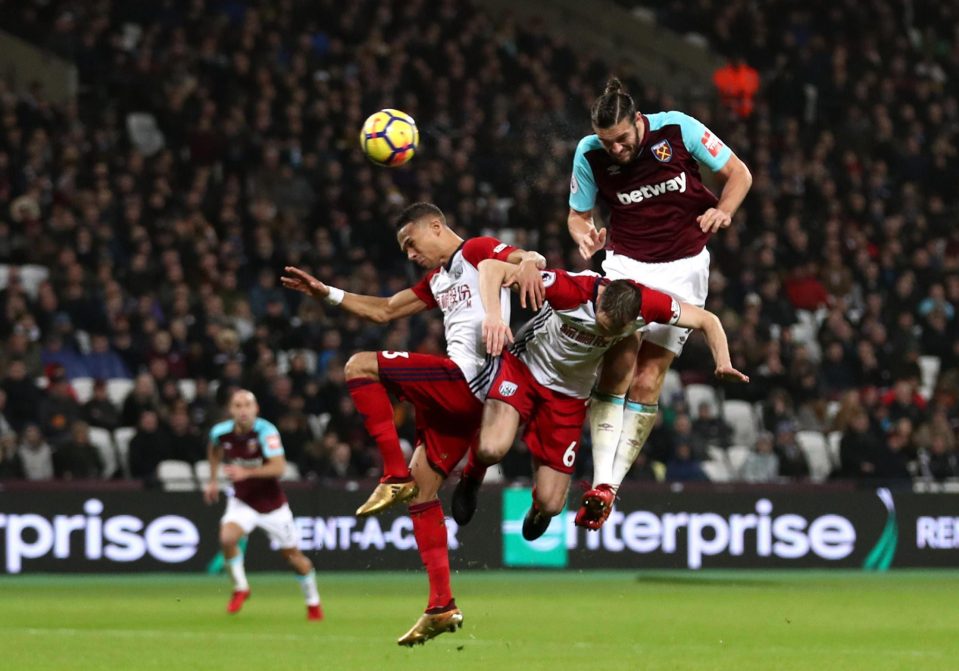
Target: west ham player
[
  {"x": 446, "y": 392},
  {"x": 251, "y": 449},
  {"x": 546, "y": 376},
  {"x": 645, "y": 168}
]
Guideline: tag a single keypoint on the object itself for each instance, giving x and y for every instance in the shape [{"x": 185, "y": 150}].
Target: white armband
[{"x": 335, "y": 296}]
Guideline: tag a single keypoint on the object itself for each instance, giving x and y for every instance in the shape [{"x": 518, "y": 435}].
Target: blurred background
[{"x": 160, "y": 163}]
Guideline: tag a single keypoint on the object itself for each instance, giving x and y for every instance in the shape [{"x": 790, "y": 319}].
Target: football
[{"x": 389, "y": 138}]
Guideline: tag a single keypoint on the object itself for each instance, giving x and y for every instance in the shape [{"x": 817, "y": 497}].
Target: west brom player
[
  {"x": 645, "y": 168},
  {"x": 546, "y": 376},
  {"x": 251, "y": 450},
  {"x": 446, "y": 392}
]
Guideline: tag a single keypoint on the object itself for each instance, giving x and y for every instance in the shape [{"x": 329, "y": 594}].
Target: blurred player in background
[
  {"x": 251, "y": 450},
  {"x": 446, "y": 392},
  {"x": 645, "y": 168},
  {"x": 547, "y": 375}
]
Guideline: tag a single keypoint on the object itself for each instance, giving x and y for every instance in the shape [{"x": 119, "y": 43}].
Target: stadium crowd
[{"x": 157, "y": 262}]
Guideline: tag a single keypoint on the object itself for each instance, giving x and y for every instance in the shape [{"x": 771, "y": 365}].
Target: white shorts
[
  {"x": 278, "y": 524},
  {"x": 686, "y": 279}
]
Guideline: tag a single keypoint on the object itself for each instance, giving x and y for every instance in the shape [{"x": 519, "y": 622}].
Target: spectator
[
  {"x": 36, "y": 455},
  {"x": 859, "y": 448},
  {"x": 683, "y": 467},
  {"x": 187, "y": 443},
  {"x": 77, "y": 458},
  {"x": 142, "y": 398},
  {"x": 149, "y": 446},
  {"x": 102, "y": 362},
  {"x": 59, "y": 410},
  {"x": 707, "y": 429},
  {"x": 762, "y": 464},
  {"x": 737, "y": 84},
  {"x": 792, "y": 460},
  {"x": 99, "y": 411},
  {"x": 22, "y": 396},
  {"x": 11, "y": 465}
]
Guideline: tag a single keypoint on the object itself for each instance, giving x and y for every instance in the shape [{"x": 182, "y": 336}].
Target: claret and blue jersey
[
  {"x": 251, "y": 448},
  {"x": 655, "y": 198}
]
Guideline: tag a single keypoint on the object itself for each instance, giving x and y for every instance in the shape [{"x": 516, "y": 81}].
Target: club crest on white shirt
[{"x": 507, "y": 388}]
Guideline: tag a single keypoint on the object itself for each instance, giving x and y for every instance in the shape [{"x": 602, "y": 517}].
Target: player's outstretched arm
[
  {"x": 584, "y": 233},
  {"x": 493, "y": 276},
  {"x": 372, "y": 308},
  {"x": 697, "y": 318},
  {"x": 532, "y": 293}
]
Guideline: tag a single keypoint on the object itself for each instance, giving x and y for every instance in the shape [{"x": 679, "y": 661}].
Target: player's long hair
[
  {"x": 613, "y": 106},
  {"x": 621, "y": 301}
]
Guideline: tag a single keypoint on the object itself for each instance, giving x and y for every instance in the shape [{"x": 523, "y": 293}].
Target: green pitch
[{"x": 528, "y": 621}]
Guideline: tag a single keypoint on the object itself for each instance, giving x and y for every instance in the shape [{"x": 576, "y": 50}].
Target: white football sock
[
  {"x": 308, "y": 585},
  {"x": 239, "y": 573},
  {"x": 638, "y": 421},
  {"x": 605, "y": 425}
]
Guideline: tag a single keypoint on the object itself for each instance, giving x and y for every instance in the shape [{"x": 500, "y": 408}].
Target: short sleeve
[
  {"x": 659, "y": 308},
  {"x": 482, "y": 248},
  {"x": 220, "y": 429},
  {"x": 565, "y": 291},
  {"x": 702, "y": 143},
  {"x": 270, "y": 443},
  {"x": 423, "y": 291},
  {"x": 582, "y": 186}
]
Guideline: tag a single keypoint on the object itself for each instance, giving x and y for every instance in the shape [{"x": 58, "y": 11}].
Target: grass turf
[{"x": 713, "y": 620}]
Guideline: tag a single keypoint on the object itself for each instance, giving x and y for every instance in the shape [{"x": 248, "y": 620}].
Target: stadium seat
[
  {"x": 697, "y": 394},
  {"x": 202, "y": 471},
  {"x": 32, "y": 276},
  {"x": 813, "y": 445},
  {"x": 833, "y": 441},
  {"x": 737, "y": 455},
  {"x": 118, "y": 389},
  {"x": 740, "y": 416},
  {"x": 928, "y": 374},
  {"x": 176, "y": 476},
  {"x": 83, "y": 388},
  {"x": 187, "y": 389},
  {"x": 145, "y": 133},
  {"x": 318, "y": 424},
  {"x": 123, "y": 436},
  {"x": 672, "y": 388},
  {"x": 717, "y": 471},
  {"x": 103, "y": 441},
  {"x": 291, "y": 472}
]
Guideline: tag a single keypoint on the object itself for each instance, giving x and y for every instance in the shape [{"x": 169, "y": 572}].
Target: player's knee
[
  {"x": 646, "y": 385},
  {"x": 361, "y": 364},
  {"x": 489, "y": 452},
  {"x": 550, "y": 505}
]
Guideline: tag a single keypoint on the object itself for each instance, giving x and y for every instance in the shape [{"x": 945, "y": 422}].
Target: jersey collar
[{"x": 449, "y": 261}]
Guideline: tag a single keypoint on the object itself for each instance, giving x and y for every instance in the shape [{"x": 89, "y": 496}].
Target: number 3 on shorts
[
  {"x": 569, "y": 456},
  {"x": 396, "y": 355}
]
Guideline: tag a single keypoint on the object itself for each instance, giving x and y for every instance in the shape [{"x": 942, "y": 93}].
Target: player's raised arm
[
  {"x": 493, "y": 275},
  {"x": 372, "y": 308},
  {"x": 694, "y": 317}
]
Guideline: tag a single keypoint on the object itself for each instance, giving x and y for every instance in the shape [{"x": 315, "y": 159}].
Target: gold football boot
[
  {"x": 431, "y": 626},
  {"x": 387, "y": 494}
]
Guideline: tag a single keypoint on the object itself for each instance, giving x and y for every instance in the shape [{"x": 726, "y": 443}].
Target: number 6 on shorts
[{"x": 569, "y": 456}]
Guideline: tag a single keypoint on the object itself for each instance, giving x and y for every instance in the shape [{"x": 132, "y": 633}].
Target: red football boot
[
  {"x": 314, "y": 612},
  {"x": 596, "y": 506},
  {"x": 236, "y": 601}
]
